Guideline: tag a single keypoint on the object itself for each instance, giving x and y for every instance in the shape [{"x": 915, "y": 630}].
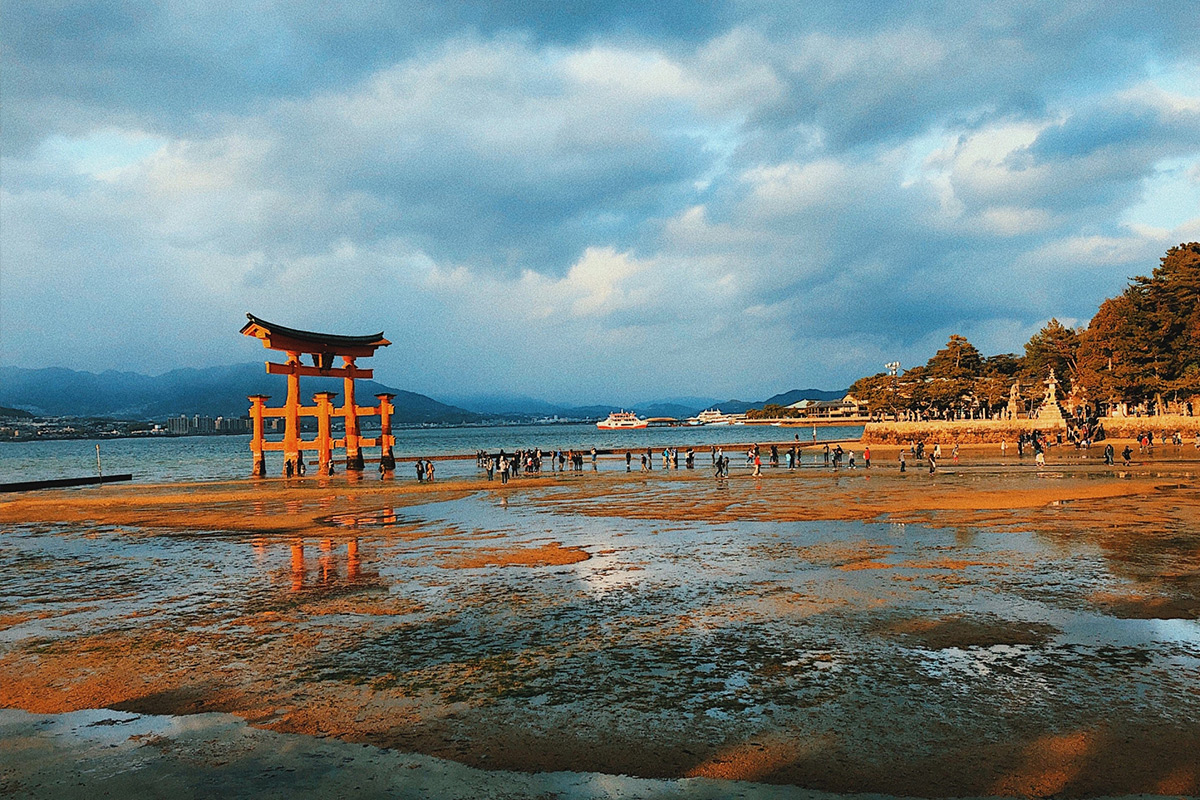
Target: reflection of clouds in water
[{"x": 604, "y": 573}]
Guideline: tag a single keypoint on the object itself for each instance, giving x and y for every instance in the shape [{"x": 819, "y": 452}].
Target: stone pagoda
[{"x": 1051, "y": 411}]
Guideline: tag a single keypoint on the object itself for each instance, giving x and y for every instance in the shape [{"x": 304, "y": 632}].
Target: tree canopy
[{"x": 1142, "y": 346}]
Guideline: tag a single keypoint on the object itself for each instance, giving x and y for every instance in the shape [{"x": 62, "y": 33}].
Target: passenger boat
[
  {"x": 712, "y": 416},
  {"x": 621, "y": 420}
]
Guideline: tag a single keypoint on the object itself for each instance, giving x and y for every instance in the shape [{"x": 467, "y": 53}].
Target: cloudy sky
[{"x": 585, "y": 201}]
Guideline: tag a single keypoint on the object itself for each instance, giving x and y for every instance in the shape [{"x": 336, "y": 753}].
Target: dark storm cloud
[{"x": 68, "y": 65}]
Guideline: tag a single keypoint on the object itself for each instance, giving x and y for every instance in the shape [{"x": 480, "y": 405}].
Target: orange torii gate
[{"x": 324, "y": 348}]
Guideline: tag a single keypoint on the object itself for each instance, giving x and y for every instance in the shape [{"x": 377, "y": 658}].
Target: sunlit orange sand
[{"x": 989, "y": 629}]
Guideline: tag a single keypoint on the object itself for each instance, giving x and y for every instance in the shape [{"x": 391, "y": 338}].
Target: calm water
[{"x": 191, "y": 458}]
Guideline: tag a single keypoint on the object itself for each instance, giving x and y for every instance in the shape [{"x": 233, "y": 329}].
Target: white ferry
[
  {"x": 621, "y": 420},
  {"x": 712, "y": 416}
]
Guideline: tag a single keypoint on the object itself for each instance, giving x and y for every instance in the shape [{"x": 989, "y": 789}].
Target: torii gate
[{"x": 323, "y": 347}]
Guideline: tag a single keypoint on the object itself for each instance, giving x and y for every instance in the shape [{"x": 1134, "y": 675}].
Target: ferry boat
[
  {"x": 621, "y": 420},
  {"x": 712, "y": 416}
]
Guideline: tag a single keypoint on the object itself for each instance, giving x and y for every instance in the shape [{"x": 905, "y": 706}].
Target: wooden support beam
[{"x": 274, "y": 368}]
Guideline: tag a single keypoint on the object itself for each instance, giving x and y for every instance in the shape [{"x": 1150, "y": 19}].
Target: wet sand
[{"x": 991, "y": 629}]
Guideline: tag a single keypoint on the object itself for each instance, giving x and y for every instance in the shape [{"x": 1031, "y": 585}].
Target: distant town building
[{"x": 199, "y": 424}]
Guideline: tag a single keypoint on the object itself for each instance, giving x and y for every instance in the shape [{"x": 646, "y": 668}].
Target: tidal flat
[{"x": 987, "y": 630}]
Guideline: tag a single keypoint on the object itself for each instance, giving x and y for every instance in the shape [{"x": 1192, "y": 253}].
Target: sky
[{"x": 585, "y": 201}]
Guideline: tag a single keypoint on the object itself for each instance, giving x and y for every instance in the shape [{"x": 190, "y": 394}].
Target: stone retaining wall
[{"x": 968, "y": 431}]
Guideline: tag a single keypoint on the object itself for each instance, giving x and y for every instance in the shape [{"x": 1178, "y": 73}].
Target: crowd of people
[{"x": 506, "y": 466}]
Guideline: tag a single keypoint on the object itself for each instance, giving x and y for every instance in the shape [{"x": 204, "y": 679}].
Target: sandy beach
[{"x": 990, "y": 629}]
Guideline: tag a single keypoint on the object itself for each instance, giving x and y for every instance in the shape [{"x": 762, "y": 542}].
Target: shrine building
[{"x": 324, "y": 349}]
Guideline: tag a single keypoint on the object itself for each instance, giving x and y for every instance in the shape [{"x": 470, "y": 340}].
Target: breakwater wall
[{"x": 968, "y": 431}]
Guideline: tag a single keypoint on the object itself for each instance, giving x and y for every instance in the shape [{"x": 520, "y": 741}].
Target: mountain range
[
  {"x": 213, "y": 391},
  {"x": 222, "y": 391}
]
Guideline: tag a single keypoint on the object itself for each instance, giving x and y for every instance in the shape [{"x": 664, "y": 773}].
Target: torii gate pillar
[{"x": 354, "y": 459}]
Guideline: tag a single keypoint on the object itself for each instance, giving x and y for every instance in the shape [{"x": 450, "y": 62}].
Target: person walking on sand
[
  {"x": 954, "y": 453},
  {"x": 1040, "y": 459},
  {"x": 903, "y": 466},
  {"x": 850, "y": 453},
  {"x": 933, "y": 461},
  {"x": 628, "y": 460},
  {"x": 825, "y": 453},
  {"x": 757, "y": 466},
  {"x": 644, "y": 463},
  {"x": 1108, "y": 454},
  {"x": 420, "y": 470},
  {"x": 503, "y": 470},
  {"x": 867, "y": 456},
  {"x": 1126, "y": 454}
]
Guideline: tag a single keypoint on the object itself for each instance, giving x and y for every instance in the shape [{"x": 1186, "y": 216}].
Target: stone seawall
[
  {"x": 967, "y": 431},
  {"x": 1131, "y": 427}
]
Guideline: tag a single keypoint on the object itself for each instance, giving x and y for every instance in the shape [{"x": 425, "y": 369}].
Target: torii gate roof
[{"x": 279, "y": 337}]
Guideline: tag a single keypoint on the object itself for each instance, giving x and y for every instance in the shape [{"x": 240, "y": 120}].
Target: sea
[{"x": 159, "y": 459}]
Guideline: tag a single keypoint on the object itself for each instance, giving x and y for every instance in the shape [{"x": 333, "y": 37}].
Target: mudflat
[{"x": 988, "y": 629}]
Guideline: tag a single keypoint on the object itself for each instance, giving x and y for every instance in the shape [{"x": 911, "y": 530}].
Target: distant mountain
[
  {"x": 214, "y": 391},
  {"x": 524, "y": 407},
  {"x": 506, "y": 405},
  {"x": 14, "y": 412},
  {"x": 796, "y": 395},
  {"x": 736, "y": 406},
  {"x": 661, "y": 409}
]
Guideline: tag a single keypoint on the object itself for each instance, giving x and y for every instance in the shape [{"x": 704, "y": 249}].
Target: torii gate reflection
[
  {"x": 324, "y": 348},
  {"x": 327, "y": 567}
]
